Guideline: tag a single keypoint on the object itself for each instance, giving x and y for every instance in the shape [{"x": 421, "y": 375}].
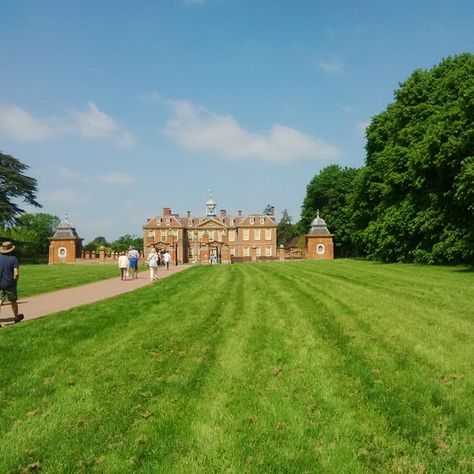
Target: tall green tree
[
  {"x": 285, "y": 229},
  {"x": 95, "y": 244},
  {"x": 329, "y": 191},
  {"x": 127, "y": 240},
  {"x": 413, "y": 200},
  {"x": 14, "y": 186},
  {"x": 42, "y": 225}
]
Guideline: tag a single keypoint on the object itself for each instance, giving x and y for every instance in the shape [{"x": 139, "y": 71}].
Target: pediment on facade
[{"x": 211, "y": 223}]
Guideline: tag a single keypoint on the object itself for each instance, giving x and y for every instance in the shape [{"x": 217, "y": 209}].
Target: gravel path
[{"x": 41, "y": 305}]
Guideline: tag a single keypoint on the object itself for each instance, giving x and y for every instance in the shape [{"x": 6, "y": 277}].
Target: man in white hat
[{"x": 9, "y": 274}]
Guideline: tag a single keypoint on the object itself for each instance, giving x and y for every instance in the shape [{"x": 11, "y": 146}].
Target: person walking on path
[
  {"x": 167, "y": 259},
  {"x": 9, "y": 274},
  {"x": 133, "y": 257},
  {"x": 152, "y": 261},
  {"x": 123, "y": 265}
]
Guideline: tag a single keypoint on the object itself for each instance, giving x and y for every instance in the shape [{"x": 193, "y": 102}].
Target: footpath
[{"x": 34, "y": 307}]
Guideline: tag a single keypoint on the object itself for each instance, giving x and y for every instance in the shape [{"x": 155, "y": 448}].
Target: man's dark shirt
[{"x": 7, "y": 264}]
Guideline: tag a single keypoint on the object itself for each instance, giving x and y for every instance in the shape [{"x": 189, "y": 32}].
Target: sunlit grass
[
  {"x": 339, "y": 366},
  {"x": 35, "y": 279}
]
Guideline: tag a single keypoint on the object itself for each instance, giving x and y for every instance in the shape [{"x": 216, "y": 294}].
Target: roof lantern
[
  {"x": 210, "y": 206},
  {"x": 318, "y": 226},
  {"x": 65, "y": 230}
]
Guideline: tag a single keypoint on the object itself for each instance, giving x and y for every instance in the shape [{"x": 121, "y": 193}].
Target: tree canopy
[
  {"x": 285, "y": 229},
  {"x": 413, "y": 200},
  {"x": 14, "y": 185},
  {"x": 329, "y": 191},
  {"x": 119, "y": 245},
  {"x": 31, "y": 233}
]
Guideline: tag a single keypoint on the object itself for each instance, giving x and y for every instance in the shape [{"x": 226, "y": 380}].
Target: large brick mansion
[{"x": 221, "y": 237}]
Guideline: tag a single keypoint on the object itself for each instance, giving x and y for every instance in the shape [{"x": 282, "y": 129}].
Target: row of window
[
  {"x": 256, "y": 234},
  {"x": 245, "y": 252},
  {"x": 252, "y": 220},
  {"x": 214, "y": 234}
]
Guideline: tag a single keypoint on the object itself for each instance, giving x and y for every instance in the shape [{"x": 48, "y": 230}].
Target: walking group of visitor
[
  {"x": 9, "y": 274},
  {"x": 128, "y": 263}
]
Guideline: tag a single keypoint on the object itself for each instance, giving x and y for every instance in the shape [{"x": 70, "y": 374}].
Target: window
[
  {"x": 164, "y": 235},
  {"x": 246, "y": 252},
  {"x": 256, "y": 234},
  {"x": 212, "y": 235},
  {"x": 245, "y": 234},
  {"x": 262, "y": 220},
  {"x": 62, "y": 252},
  {"x": 232, "y": 221},
  {"x": 231, "y": 235},
  {"x": 200, "y": 234},
  {"x": 190, "y": 236},
  {"x": 320, "y": 249},
  {"x": 232, "y": 251},
  {"x": 268, "y": 251},
  {"x": 151, "y": 233},
  {"x": 252, "y": 220},
  {"x": 257, "y": 252},
  {"x": 268, "y": 234}
]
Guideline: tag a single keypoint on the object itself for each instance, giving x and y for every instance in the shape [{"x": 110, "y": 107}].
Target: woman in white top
[
  {"x": 123, "y": 265},
  {"x": 152, "y": 261}
]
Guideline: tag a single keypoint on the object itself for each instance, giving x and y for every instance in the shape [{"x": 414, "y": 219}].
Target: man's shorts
[
  {"x": 134, "y": 263},
  {"x": 9, "y": 294}
]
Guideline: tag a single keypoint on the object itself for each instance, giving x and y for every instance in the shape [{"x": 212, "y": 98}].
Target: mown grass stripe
[{"x": 279, "y": 367}]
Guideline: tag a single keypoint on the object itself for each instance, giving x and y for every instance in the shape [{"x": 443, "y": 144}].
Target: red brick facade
[
  {"x": 319, "y": 241},
  {"x": 65, "y": 245},
  {"x": 200, "y": 239}
]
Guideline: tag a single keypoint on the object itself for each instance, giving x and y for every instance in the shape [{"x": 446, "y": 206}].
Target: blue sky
[{"x": 121, "y": 108}]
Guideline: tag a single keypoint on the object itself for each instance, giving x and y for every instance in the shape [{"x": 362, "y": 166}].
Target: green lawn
[
  {"x": 340, "y": 366},
  {"x": 35, "y": 279}
]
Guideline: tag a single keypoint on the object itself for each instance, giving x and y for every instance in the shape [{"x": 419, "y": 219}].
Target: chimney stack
[
  {"x": 240, "y": 213},
  {"x": 167, "y": 211},
  {"x": 223, "y": 213},
  {"x": 188, "y": 214},
  {"x": 272, "y": 211}
]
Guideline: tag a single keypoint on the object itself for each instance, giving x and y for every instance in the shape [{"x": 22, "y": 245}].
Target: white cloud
[
  {"x": 331, "y": 67},
  {"x": 119, "y": 178},
  {"x": 196, "y": 129},
  {"x": 93, "y": 124},
  {"x": 20, "y": 125}
]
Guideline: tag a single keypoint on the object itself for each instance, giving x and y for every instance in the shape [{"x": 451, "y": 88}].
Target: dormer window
[
  {"x": 168, "y": 221},
  {"x": 252, "y": 220},
  {"x": 262, "y": 220}
]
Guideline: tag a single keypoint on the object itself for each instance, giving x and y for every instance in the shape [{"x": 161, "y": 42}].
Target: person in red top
[{"x": 9, "y": 274}]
